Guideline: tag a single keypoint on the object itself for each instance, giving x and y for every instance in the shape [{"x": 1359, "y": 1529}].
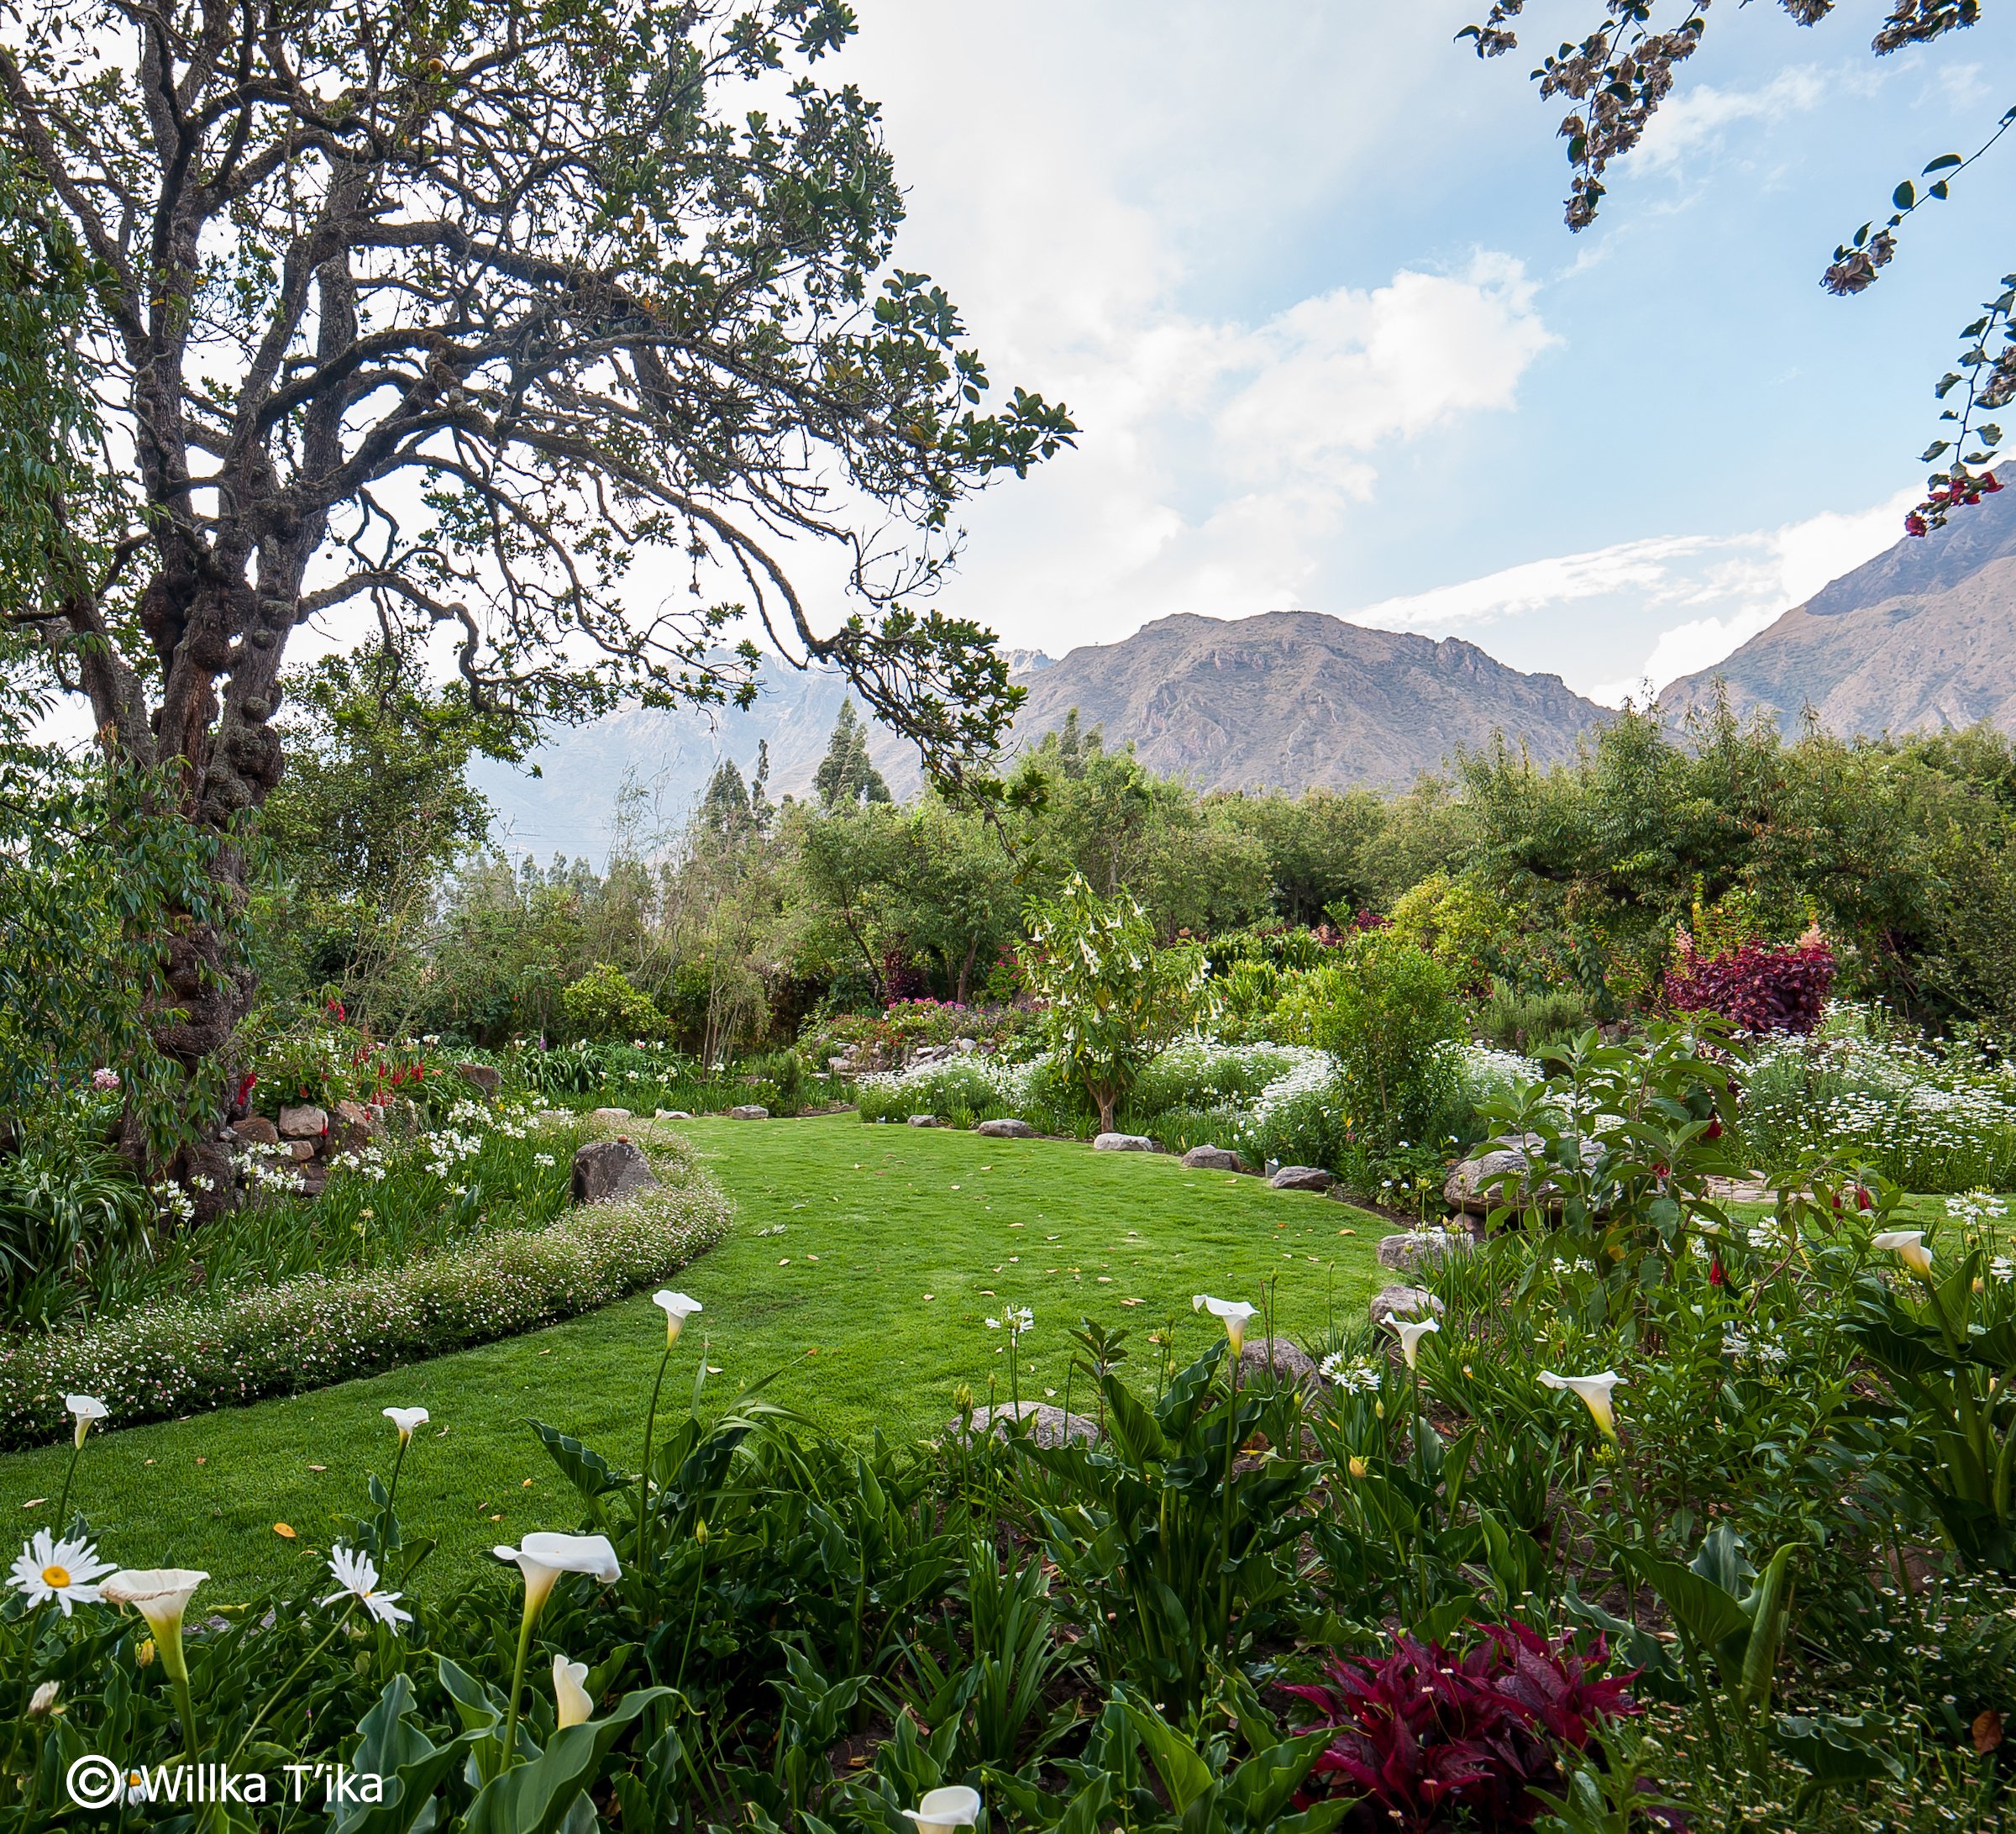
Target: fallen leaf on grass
[{"x": 285, "y": 1532}]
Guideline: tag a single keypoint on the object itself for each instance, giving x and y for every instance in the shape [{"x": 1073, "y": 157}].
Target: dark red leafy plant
[
  {"x": 1432, "y": 1740},
  {"x": 1760, "y": 987}
]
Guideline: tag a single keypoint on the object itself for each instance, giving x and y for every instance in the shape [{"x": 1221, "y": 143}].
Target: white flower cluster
[
  {"x": 1581, "y": 1264},
  {"x": 1745, "y": 1347},
  {"x": 1354, "y": 1375}
]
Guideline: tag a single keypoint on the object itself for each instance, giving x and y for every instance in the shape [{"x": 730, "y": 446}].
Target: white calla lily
[
  {"x": 1595, "y": 1393},
  {"x": 1234, "y": 1314},
  {"x": 571, "y": 1704},
  {"x": 405, "y": 1419},
  {"x": 944, "y": 1811},
  {"x": 543, "y": 1557},
  {"x": 84, "y": 1409},
  {"x": 1410, "y": 1332},
  {"x": 161, "y": 1595},
  {"x": 1908, "y": 1246},
  {"x": 677, "y": 1307}
]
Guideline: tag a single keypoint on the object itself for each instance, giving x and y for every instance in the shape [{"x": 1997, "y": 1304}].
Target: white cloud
[
  {"x": 1698, "y": 597},
  {"x": 1692, "y": 119}
]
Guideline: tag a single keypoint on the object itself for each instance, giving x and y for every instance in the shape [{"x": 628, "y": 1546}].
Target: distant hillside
[
  {"x": 1288, "y": 700},
  {"x": 1922, "y": 636},
  {"x": 1293, "y": 699}
]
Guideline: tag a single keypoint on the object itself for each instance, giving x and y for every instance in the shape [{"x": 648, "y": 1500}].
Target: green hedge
[{"x": 187, "y": 1355}]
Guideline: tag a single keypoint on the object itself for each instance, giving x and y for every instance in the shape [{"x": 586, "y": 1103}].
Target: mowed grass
[{"x": 895, "y": 1245}]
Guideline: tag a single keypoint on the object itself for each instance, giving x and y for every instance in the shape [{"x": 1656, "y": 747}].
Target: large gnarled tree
[{"x": 554, "y": 330}]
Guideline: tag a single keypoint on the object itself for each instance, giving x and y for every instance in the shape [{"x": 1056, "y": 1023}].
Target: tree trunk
[
  {"x": 973, "y": 948},
  {"x": 1106, "y": 1101}
]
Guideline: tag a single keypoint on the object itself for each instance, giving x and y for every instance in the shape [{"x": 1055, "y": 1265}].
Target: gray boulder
[
  {"x": 1212, "y": 1158},
  {"x": 606, "y": 1169},
  {"x": 1052, "y": 1426},
  {"x": 749, "y": 1110},
  {"x": 1477, "y": 1185},
  {"x": 1123, "y": 1142},
  {"x": 1303, "y": 1178},
  {"x": 480, "y": 1076},
  {"x": 1419, "y": 1248},
  {"x": 303, "y": 1123},
  {"x": 1403, "y": 1302},
  {"x": 924, "y": 1121},
  {"x": 610, "y": 1114},
  {"x": 255, "y": 1130},
  {"x": 1006, "y": 1130},
  {"x": 1288, "y": 1362}
]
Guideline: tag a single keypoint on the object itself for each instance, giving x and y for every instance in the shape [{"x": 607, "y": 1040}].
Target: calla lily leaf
[
  {"x": 390, "y": 1747},
  {"x": 536, "y": 1797},
  {"x": 585, "y": 1469}
]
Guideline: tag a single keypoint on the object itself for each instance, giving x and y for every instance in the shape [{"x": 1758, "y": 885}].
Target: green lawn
[{"x": 896, "y": 1245}]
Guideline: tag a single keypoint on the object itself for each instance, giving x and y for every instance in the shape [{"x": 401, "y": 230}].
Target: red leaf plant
[
  {"x": 1433, "y": 1740},
  {"x": 1758, "y": 987}
]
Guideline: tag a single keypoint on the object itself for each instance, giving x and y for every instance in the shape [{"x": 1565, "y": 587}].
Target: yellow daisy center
[{"x": 56, "y": 1578}]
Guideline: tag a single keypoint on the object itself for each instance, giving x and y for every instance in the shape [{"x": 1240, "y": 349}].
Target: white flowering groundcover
[{"x": 179, "y": 1356}]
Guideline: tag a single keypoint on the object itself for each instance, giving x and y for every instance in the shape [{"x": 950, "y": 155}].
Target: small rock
[
  {"x": 1052, "y": 1425},
  {"x": 255, "y": 1130},
  {"x": 1503, "y": 1175},
  {"x": 1212, "y": 1158},
  {"x": 1288, "y": 1363},
  {"x": 605, "y": 1168},
  {"x": 923, "y": 1121},
  {"x": 303, "y": 1150},
  {"x": 303, "y": 1123},
  {"x": 355, "y": 1114},
  {"x": 965, "y": 1047},
  {"x": 481, "y": 1076},
  {"x": 1006, "y": 1130},
  {"x": 749, "y": 1110},
  {"x": 313, "y": 1175},
  {"x": 840, "y": 1066},
  {"x": 1424, "y": 1247},
  {"x": 610, "y": 1114},
  {"x": 1123, "y": 1142},
  {"x": 1403, "y": 1302},
  {"x": 1303, "y": 1178}
]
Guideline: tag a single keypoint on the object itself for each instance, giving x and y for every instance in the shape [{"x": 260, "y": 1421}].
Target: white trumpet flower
[
  {"x": 161, "y": 1595},
  {"x": 944, "y": 1811},
  {"x": 1595, "y": 1392},
  {"x": 1908, "y": 1246},
  {"x": 1410, "y": 1332},
  {"x": 570, "y": 1700},
  {"x": 405, "y": 1419},
  {"x": 84, "y": 1409},
  {"x": 1234, "y": 1314},
  {"x": 677, "y": 1307},
  {"x": 543, "y": 1557}
]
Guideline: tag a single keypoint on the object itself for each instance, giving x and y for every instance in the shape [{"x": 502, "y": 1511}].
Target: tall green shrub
[
  {"x": 1388, "y": 1011},
  {"x": 1116, "y": 1001}
]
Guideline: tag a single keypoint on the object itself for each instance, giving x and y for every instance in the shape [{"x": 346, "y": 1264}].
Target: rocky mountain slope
[
  {"x": 1288, "y": 700},
  {"x": 1920, "y": 638},
  {"x": 1293, "y": 699}
]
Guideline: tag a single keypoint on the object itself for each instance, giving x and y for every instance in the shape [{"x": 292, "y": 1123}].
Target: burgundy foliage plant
[
  {"x": 1434, "y": 1740},
  {"x": 1760, "y": 987}
]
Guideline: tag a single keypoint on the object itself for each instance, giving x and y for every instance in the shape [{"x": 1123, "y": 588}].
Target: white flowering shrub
[
  {"x": 179, "y": 1356},
  {"x": 1927, "y": 1118}
]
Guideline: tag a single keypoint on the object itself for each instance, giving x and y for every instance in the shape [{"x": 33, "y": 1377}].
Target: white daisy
[
  {"x": 62, "y": 1570},
  {"x": 358, "y": 1576}
]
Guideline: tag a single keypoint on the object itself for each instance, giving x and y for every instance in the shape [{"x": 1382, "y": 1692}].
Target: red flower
[
  {"x": 1714, "y": 1130},
  {"x": 1990, "y": 483},
  {"x": 1916, "y": 524},
  {"x": 1862, "y": 1197},
  {"x": 1716, "y": 1277}
]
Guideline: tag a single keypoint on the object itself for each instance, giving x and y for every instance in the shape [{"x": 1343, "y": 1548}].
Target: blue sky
[{"x": 1301, "y": 273}]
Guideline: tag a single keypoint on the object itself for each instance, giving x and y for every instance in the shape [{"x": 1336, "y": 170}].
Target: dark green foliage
[{"x": 845, "y": 778}]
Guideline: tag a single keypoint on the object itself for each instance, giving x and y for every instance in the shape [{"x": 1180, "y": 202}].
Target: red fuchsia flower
[
  {"x": 1916, "y": 524},
  {"x": 1714, "y": 1130},
  {"x": 1716, "y": 1277},
  {"x": 1990, "y": 483},
  {"x": 1862, "y": 1199},
  {"x": 245, "y": 1086}
]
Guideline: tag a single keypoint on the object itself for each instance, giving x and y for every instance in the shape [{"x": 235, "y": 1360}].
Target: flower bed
[{"x": 182, "y": 1356}]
